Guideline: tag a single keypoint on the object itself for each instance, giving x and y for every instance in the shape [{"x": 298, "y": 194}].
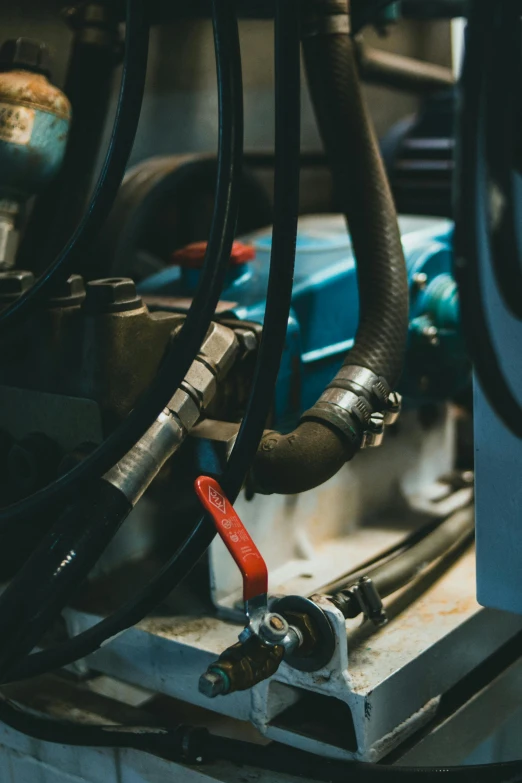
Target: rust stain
[
  {"x": 22, "y": 88},
  {"x": 461, "y": 607}
]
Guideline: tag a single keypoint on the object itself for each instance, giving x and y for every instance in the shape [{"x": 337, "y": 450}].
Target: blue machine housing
[{"x": 325, "y": 309}]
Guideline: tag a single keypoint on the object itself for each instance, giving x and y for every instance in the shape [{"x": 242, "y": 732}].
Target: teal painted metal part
[
  {"x": 391, "y": 13},
  {"x": 437, "y": 366},
  {"x": 325, "y": 310},
  {"x": 25, "y": 169}
]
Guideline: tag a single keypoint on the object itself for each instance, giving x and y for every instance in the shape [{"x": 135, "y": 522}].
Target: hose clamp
[
  {"x": 363, "y": 382},
  {"x": 345, "y": 411},
  {"x": 359, "y": 404}
]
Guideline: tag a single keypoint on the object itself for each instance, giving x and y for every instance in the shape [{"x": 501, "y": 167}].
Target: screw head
[
  {"x": 374, "y": 434},
  {"x": 14, "y": 283},
  {"x": 395, "y": 400},
  {"x": 25, "y": 54},
  {"x": 377, "y": 422},
  {"x": 394, "y": 408},
  {"x": 273, "y": 628},
  {"x": 276, "y": 623},
  {"x": 112, "y": 295}
]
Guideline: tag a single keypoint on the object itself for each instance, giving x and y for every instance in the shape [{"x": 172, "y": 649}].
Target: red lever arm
[{"x": 234, "y": 534}]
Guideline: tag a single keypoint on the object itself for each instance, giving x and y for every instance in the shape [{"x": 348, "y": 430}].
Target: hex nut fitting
[
  {"x": 273, "y": 628},
  {"x": 25, "y": 54},
  {"x": 213, "y": 683},
  {"x": 185, "y": 408},
  {"x": 69, "y": 293},
  {"x": 14, "y": 283},
  {"x": 112, "y": 295}
]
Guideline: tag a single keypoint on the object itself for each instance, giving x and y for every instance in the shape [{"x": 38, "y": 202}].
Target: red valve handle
[{"x": 237, "y": 540}]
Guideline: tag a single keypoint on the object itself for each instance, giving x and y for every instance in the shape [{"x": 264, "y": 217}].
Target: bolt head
[
  {"x": 374, "y": 433},
  {"x": 395, "y": 400},
  {"x": 25, "y": 54},
  {"x": 112, "y": 295},
  {"x": 377, "y": 422},
  {"x": 212, "y": 684},
  {"x": 14, "y": 283},
  {"x": 276, "y": 623},
  {"x": 394, "y": 408},
  {"x": 273, "y": 628},
  {"x": 69, "y": 292}
]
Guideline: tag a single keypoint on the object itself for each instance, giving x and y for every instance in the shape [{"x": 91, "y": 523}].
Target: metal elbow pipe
[
  {"x": 302, "y": 460},
  {"x": 343, "y": 421}
]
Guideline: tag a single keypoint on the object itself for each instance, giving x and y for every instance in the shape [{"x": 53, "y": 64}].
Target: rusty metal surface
[
  {"x": 101, "y": 701},
  {"x": 380, "y": 677},
  {"x": 486, "y": 729},
  {"x": 108, "y": 357},
  {"x": 33, "y": 90}
]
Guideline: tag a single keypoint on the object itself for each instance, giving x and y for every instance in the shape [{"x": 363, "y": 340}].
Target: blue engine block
[{"x": 325, "y": 310}]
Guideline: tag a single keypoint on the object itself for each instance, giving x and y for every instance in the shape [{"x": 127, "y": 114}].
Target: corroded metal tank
[{"x": 34, "y": 124}]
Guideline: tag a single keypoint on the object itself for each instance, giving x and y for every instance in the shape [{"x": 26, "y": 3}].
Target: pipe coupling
[{"x": 134, "y": 473}]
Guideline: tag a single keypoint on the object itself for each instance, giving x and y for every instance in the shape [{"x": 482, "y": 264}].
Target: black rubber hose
[
  {"x": 317, "y": 450},
  {"x": 120, "y": 146},
  {"x": 169, "y": 743},
  {"x": 278, "y": 303},
  {"x": 503, "y": 114},
  {"x": 280, "y": 758},
  {"x": 392, "y": 552},
  {"x": 400, "y": 571},
  {"x": 365, "y": 198},
  {"x": 471, "y": 242},
  {"x": 301, "y": 460},
  {"x": 62, "y": 560},
  {"x": 195, "y": 746},
  {"x": 177, "y": 361},
  {"x": 284, "y": 234}
]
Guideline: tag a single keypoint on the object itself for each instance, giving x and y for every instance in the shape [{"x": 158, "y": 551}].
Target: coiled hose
[{"x": 318, "y": 448}]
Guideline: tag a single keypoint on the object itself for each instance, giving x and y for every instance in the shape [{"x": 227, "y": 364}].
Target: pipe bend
[
  {"x": 336, "y": 427},
  {"x": 301, "y": 460}
]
